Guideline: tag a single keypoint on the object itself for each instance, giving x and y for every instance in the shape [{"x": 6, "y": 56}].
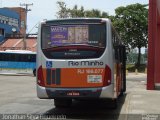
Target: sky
[{"x": 46, "y": 9}]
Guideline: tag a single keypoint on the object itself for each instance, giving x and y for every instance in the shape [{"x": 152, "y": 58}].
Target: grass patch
[{"x": 131, "y": 68}]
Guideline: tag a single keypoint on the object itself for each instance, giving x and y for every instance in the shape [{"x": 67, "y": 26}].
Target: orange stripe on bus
[{"x": 77, "y": 77}]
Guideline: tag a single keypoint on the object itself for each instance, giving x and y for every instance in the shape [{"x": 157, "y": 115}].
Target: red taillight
[
  {"x": 40, "y": 80},
  {"x": 107, "y": 76}
]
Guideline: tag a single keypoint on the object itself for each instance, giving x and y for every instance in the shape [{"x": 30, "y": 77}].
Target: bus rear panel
[{"x": 75, "y": 59}]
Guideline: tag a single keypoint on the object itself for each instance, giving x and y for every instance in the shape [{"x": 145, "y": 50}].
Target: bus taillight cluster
[
  {"x": 107, "y": 77},
  {"x": 40, "y": 79}
]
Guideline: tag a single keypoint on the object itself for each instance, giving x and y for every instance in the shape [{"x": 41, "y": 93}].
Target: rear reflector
[
  {"x": 40, "y": 80},
  {"x": 107, "y": 77}
]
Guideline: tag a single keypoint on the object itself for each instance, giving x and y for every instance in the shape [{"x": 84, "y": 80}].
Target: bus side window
[
  {"x": 119, "y": 53},
  {"x": 11, "y": 57},
  {"x": 115, "y": 42},
  {"x": 33, "y": 58},
  {"x": 23, "y": 58},
  {"x": 2, "y": 57},
  {"x": 15, "y": 57},
  {"x": 122, "y": 53},
  {"x": 116, "y": 48},
  {"x": 27, "y": 58},
  {"x": 30, "y": 58}
]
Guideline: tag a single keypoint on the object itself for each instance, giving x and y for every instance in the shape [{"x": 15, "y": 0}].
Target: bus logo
[{"x": 85, "y": 63}]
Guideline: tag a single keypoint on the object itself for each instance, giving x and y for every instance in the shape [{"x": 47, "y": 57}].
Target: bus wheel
[
  {"x": 34, "y": 72},
  {"x": 123, "y": 77},
  {"x": 114, "y": 103},
  {"x": 62, "y": 103}
]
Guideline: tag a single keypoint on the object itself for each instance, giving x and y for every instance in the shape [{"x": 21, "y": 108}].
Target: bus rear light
[
  {"x": 107, "y": 76},
  {"x": 40, "y": 77}
]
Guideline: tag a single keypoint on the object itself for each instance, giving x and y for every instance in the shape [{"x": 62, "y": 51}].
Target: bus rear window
[{"x": 73, "y": 40}]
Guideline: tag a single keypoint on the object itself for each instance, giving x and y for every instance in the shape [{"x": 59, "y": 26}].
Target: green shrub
[{"x": 131, "y": 68}]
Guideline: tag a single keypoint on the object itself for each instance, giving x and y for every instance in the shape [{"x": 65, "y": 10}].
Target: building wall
[
  {"x": 12, "y": 21},
  {"x": 22, "y": 13}
]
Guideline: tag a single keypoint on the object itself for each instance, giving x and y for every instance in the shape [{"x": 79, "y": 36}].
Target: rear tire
[
  {"x": 124, "y": 69},
  {"x": 34, "y": 72},
  {"x": 62, "y": 103},
  {"x": 114, "y": 103},
  {"x": 123, "y": 77}
]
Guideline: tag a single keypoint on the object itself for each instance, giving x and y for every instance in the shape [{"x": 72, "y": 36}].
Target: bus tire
[
  {"x": 62, "y": 103},
  {"x": 114, "y": 103},
  {"x": 123, "y": 77},
  {"x": 124, "y": 69},
  {"x": 124, "y": 80},
  {"x": 34, "y": 72}
]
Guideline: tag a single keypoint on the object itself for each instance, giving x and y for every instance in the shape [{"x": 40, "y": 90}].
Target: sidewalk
[
  {"x": 138, "y": 99},
  {"x": 133, "y": 74}
]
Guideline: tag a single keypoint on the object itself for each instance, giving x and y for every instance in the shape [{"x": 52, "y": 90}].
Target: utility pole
[{"x": 25, "y": 26}]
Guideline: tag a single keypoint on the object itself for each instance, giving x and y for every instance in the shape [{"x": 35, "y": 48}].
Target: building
[
  {"x": 13, "y": 29},
  {"x": 12, "y": 22},
  {"x": 22, "y": 18}
]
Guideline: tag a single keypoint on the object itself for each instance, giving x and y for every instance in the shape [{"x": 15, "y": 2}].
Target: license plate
[
  {"x": 73, "y": 93},
  {"x": 94, "y": 79}
]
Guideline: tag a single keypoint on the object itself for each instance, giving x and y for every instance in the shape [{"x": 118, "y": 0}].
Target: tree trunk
[{"x": 139, "y": 58}]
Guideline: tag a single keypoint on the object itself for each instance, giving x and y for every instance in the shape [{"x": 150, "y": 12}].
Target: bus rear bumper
[
  {"x": 85, "y": 93},
  {"x": 41, "y": 92}
]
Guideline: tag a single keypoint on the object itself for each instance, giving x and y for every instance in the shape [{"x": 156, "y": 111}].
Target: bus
[
  {"x": 17, "y": 62},
  {"x": 81, "y": 58}
]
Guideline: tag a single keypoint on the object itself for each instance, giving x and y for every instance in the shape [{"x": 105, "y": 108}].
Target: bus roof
[
  {"x": 66, "y": 19},
  {"x": 18, "y": 51}
]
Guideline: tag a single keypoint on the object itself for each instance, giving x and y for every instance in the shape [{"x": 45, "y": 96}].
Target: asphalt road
[{"x": 18, "y": 96}]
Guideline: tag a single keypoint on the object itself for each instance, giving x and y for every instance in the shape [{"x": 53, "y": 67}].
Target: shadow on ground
[{"x": 92, "y": 109}]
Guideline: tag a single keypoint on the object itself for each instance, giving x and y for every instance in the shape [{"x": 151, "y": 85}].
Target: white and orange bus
[{"x": 79, "y": 59}]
